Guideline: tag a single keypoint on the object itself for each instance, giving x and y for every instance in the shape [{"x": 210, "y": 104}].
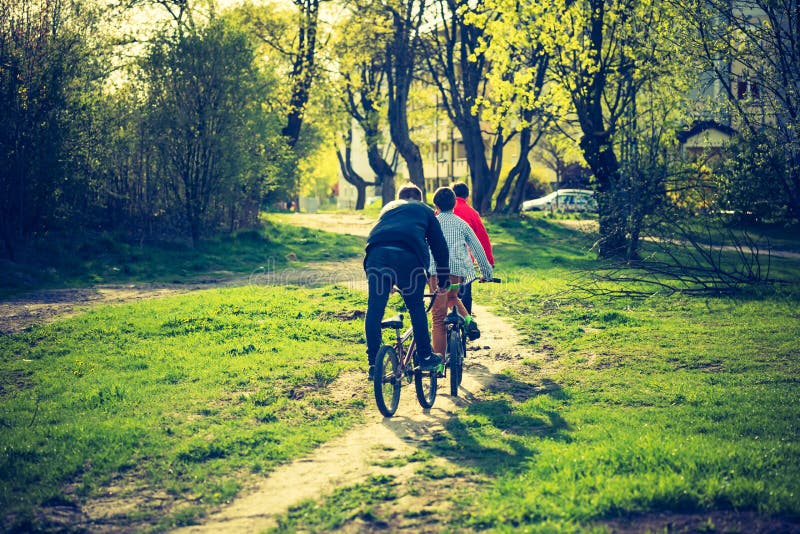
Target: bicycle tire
[
  {"x": 386, "y": 381},
  {"x": 425, "y": 384},
  {"x": 463, "y": 355},
  {"x": 455, "y": 349}
]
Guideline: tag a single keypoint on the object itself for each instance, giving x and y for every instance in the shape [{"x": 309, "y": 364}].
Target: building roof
[{"x": 702, "y": 126}]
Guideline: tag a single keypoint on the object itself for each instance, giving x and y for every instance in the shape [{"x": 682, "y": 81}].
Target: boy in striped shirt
[{"x": 461, "y": 240}]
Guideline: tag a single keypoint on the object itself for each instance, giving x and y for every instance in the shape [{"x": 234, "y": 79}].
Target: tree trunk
[
  {"x": 302, "y": 75},
  {"x": 483, "y": 180},
  {"x": 398, "y": 127},
  {"x": 350, "y": 175},
  {"x": 384, "y": 174},
  {"x": 399, "y": 68},
  {"x": 599, "y": 154},
  {"x": 518, "y": 176}
]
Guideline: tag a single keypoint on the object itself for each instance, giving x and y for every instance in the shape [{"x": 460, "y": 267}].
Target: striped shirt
[{"x": 461, "y": 239}]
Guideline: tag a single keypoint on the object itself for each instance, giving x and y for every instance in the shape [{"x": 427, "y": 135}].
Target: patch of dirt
[
  {"x": 44, "y": 306},
  {"x": 343, "y": 223},
  {"x": 363, "y": 451}
]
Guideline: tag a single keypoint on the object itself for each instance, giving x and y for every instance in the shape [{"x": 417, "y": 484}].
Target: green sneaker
[
  {"x": 472, "y": 329},
  {"x": 429, "y": 362}
]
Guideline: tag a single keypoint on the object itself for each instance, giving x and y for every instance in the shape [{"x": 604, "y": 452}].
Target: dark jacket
[{"x": 412, "y": 225}]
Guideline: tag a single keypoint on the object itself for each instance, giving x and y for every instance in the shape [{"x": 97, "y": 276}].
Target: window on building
[
  {"x": 747, "y": 88},
  {"x": 461, "y": 150}
]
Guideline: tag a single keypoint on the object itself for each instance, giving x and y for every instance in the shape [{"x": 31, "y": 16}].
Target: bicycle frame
[{"x": 393, "y": 363}]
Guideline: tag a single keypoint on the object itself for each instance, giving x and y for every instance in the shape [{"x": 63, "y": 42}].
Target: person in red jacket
[{"x": 473, "y": 219}]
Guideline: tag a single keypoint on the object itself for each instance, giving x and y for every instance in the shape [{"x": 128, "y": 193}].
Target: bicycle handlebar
[{"x": 480, "y": 280}]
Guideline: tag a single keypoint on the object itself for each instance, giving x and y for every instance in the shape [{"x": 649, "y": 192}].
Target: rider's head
[
  {"x": 460, "y": 189},
  {"x": 409, "y": 192},
  {"x": 444, "y": 199}
]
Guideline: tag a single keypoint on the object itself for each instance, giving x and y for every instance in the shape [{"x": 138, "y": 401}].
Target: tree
[
  {"x": 215, "y": 138},
  {"x": 344, "y": 157},
  {"x": 459, "y": 68},
  {"x": 295, "y": 42},
  {"x": 45, "y": 62},
  {"x": 405, "y": 18},
  {"x": 600, "y": 53},
  {"x": 360, "y": 48}
]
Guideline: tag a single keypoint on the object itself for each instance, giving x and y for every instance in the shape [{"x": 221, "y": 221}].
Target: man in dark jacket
[{"x": 398, "y": 255}]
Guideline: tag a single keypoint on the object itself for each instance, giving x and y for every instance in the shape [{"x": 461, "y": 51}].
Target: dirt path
[
  {"x": 44, "y": 306},
  {"x": 343, "y": 223},
  {"x": 590, "y": 227},
  {"x": 354, "y": 457}
]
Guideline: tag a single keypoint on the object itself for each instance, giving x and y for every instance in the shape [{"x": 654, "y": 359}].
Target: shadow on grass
[{"x": 493, "y": 435}]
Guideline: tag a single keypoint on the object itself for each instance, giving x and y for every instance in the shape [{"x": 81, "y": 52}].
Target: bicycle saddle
[{"x": 393, "y": 322}]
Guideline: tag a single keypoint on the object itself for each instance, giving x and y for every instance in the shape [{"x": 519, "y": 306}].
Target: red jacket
[{"x": 473, "y": 219}]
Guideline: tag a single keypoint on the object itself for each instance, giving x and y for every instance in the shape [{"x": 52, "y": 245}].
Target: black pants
[
  {"x": 465, "y": 294},
  {"x": 387, "y": 267}
]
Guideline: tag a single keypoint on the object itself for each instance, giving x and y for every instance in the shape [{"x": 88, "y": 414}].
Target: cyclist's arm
[
  {"x": 478, "y": 253},
  {"x": 477, "y": 225}
]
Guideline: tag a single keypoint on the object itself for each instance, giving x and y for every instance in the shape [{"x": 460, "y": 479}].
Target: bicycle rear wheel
[
  {"x": 455, "y": 350},
  {"x": 463, "y": 355},
  {"x": 425, "y": 384},
  {"x": 386, "y": 381}
]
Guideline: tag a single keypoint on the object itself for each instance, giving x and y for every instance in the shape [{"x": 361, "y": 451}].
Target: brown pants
[{"x": 441, "y": 306}]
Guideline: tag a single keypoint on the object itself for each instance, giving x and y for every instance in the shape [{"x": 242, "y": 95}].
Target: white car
[{"x": 563, "y": 200}]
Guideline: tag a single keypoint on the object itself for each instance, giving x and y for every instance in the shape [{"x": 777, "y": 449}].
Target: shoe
[
  {"x": 472, "y": 330},
  {"x": 429, "y": 362},
  {"x": 371, "y": 373}
]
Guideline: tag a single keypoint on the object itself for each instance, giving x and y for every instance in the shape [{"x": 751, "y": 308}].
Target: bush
[{"x": 751, "y": 179}]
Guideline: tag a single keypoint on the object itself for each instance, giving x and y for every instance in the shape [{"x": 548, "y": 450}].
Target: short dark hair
[
  {"x": 444, "y": 198},
  {"x": 410, "y": 192},
  {"x": 460, "y": 189}
]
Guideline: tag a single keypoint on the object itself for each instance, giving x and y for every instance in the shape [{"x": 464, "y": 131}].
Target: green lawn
[
  {"x": 664, "y": 404},
  {"x": 180, "y": 394}
]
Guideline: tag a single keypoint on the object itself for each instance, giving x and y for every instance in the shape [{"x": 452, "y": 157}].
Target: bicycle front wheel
[
  {"x": 425, "y": 384},
  {"x": 455, "y": 350},
  {"x": 387, "y": 381}
]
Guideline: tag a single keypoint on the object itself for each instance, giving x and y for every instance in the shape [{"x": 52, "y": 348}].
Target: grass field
[
  {"x": 67, "y": 261},
  {"x": 630, "y": 406}
]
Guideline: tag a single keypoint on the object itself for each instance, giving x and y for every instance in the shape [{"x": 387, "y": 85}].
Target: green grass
[
  {"x": 624, "y": 406},
  {"x": 103, "y": 258},
  {"x": 183, "y": 394},
  {"x": 671, "y": 404},
  {"x": 665, "y": 404}
]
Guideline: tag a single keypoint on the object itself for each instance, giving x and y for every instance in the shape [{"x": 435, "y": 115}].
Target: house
[{"x": 704, "y": 139}]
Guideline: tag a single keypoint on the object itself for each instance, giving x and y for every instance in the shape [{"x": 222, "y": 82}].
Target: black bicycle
[
  {"x": 394, "y": 367},
  {"x": 456, "y": 348}
]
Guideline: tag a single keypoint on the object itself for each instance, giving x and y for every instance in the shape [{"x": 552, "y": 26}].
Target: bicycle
[
  {"x": 456, "y": 348},
  {"x": 393, "y": 367}
]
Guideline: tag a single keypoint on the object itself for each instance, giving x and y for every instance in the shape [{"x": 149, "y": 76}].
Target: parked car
[{"x": 563, "y": 200}]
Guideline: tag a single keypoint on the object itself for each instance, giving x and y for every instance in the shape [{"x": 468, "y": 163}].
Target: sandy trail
[
  {"x": 353, "y": 457},
  {"x": 43, "y": 306}
]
